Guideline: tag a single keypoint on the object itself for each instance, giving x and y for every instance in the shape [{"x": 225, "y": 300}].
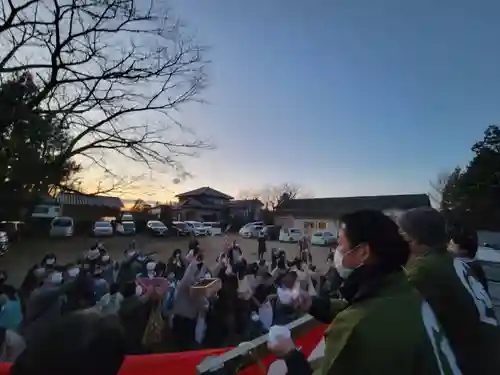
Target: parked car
[
  {"x": 127, "y": 217},
  {"x": 13, "y": 229},
  {"x": 157, "y": 228},
  {"x": 197, "y": 228},
  {"x": 180, "y": 228},
  {"x": 271, "y": 232},
  {"x": 4, "y": 243},
  {"x": 250, "y": 231},
  {"x": 290, "y": 234},
  {"x": 213, "y": 228},
  {"x": 323, "y": 238},
  {"x": 102, "y": 229},
  {"x": 63, "y": 226},
  {"x": 125, "y": 228},
  {"x": 247, "y": 225}
]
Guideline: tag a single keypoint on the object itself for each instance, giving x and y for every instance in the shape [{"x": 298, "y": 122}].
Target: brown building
[
  {"x": 324, "y": 213},
  {"x": 88, "y": 207},
  {"x": 210, "y": 205}
]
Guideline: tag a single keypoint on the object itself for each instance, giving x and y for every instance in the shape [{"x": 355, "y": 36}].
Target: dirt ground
[{"x": 23, "y": 255}]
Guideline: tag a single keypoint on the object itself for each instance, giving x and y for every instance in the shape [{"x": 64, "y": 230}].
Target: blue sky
[{"x": 352, "y": 97}]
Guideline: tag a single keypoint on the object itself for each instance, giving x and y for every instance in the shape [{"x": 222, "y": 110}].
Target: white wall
[
  {"x": 46, "y": 211},
  {"x": 292, "y": 222}
]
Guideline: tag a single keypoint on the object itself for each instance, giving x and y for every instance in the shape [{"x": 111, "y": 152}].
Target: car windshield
[
  {"x": 62, "y": 223},
  {"x": 198, "y": 225},
  {"x": 180, "y": 225},
  {"x": 102, "y": 224},
  {"x": 157, "y": 224},
  {"x": 129, "y": 225},
  {"x": 318, "y": 234},
  {"x": 295, "y": 230}
]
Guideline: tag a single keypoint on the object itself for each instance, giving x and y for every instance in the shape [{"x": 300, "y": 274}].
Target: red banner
[{"x": 185, "y": 363}]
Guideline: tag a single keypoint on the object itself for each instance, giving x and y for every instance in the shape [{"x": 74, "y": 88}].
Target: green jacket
[
  {"x": 463, "y": 309},
  {"x": 391, "y": 332}
]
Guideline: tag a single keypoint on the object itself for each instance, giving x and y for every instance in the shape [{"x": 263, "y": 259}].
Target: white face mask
[
  {"x": 150, "y": 266},
  {"x": 105, "y": 258},
  {"x": 56, "y": 278},
  {"x": 93, "y": 254},
  {"x": 338, "y": 261},
  {"x": 130, "y": 253},
  {"x": 50, "y": 261},
  {"x": 73, "y": 272}
]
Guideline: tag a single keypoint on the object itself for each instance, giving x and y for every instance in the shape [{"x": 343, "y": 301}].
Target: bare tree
[
  {"x": 273, "y": 195},
  {"x": 112, "y": 71},
  {"x": 249, "y": 194}
]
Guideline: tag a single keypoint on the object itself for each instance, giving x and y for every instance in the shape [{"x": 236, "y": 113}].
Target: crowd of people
[
  {"x": 156, "y": 319},
  {"x": 399, "y": 298}
]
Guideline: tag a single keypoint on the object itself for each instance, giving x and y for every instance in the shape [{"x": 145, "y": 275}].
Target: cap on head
[{"x": 424, "y": 225}]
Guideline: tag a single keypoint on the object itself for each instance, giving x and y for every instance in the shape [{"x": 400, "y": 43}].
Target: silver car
[{"x": 102, "y": 228}]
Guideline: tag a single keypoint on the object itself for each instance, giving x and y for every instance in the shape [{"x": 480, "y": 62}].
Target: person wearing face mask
[
  {"x": 45, "y": 305},
  {"x": 284, "y": 310},
  {"x": 281, "y": 265},
  {"x": 176, "y": 264},
  {"x": 188, "y": 307},
  {"x": 49, "y": 262},
  {"x": 108, "y": 269},
  {"x": 451, "y": 287},
  {"x": 150, "y": 271},
  {"x": 130, "y": 267},
  {"x": 93, "y": 255},
  {"x": 75, "y": 296},
  {"x": 386, "y": 326},
  {"x": 33, "y": 279}
]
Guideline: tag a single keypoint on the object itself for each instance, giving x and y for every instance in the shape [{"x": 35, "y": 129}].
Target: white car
[
  {"x": 323, "y": 238},
  {"x": 126, "y": 228},
  {"x": 213, "y": 229},
  {"x": 290, "y": 234},
  {"x": 157, "y": 228},
  {"x": 62, "y": 226},
  {"x": 197, "y": 228},
  {"x": 102, "y": 228},
  {"x": 249, "y": 231}
]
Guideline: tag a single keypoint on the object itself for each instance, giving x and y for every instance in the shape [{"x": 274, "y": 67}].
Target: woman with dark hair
[
  {"x": 176, "y": 264},
  {"x": 384, "y": 320}
]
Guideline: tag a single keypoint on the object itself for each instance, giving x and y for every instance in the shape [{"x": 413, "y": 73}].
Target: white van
[
  {"x": 290, "y": 234},
  {"x": 63, "y": 226}
]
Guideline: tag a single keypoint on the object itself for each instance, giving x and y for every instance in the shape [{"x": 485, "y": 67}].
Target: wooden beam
[{"x": 247, "y": 354}]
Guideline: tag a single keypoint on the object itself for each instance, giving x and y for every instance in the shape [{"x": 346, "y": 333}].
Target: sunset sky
[{"x": 351, "y": 97}]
